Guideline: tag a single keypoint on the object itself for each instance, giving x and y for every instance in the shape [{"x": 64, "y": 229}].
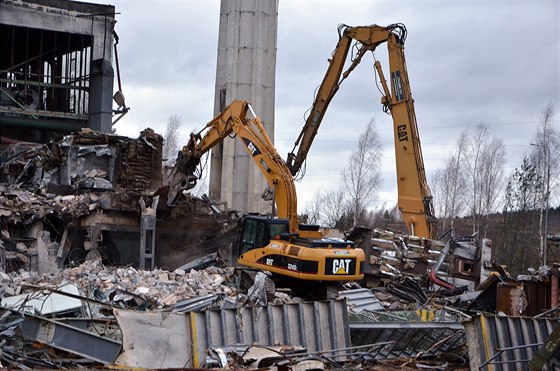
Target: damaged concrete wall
[{"x": 88, "y": 187}]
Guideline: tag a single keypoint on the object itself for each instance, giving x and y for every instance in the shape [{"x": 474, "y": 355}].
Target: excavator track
[{"x": 246, "y": 279}]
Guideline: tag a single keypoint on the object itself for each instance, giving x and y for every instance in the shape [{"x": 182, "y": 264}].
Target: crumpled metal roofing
[
  {"x": 506, "y": 343},
  {"x": 361, "y": 299},
  {"x": 406, "y": 334},
  {"x": 170, "y": 340}
]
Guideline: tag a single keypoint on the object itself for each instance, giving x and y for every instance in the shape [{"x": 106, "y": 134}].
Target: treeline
[{"x": 472, "y": 193}]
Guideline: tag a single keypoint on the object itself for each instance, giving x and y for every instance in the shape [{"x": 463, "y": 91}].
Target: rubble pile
[
  {"x": 25, "y": 239},
  {"x": 130, "y": 287},
  {"x": 72, "y": 224},
  {"x": 87, "y": 160},
  {"x": 120, "y": 285},
  {"x": 85, "y": 190},
  {"x": 21, "y": 206},
  {"x": 391, "y": 256}
]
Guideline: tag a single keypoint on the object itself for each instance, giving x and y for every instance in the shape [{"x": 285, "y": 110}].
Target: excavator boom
[
  {"x": 414, "y": 196},
  {"x": 233, "y": 120}
]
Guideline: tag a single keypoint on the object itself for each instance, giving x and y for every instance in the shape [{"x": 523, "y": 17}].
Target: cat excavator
[
  {"x": 414, "y": 196},
  {"x": 278, "y": 244}
]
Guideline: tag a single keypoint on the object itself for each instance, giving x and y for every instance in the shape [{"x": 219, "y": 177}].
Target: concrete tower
[{"x": 246, "y": 70}]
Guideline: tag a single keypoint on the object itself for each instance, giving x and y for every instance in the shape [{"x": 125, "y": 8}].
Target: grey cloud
[{"x": 469, "y": 62}]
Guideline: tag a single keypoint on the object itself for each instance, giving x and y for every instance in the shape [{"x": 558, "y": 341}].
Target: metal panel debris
[
  {"x": 361, "y": 299},
  {"x": 46, "y": 303},
  {"x": 71, "y": 339},
  {"x": 548, "y": 352},
  {"x": 178, "y": 341},
  {"x": 506, "y": 343},
  {"x": 407, "y": 334}
]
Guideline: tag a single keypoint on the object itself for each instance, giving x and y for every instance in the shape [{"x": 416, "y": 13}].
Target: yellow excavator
[
  {"x": 414, "y": 196},
  {"x": 276, "y": 244}
]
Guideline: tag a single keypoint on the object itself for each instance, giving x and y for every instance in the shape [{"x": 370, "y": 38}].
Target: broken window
[
  {"x": 464, "y": 267},
  {"x": 44, "y": 70}
]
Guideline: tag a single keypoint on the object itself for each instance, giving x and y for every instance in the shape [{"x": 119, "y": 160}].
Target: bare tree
[
  {"x": 545, "y": 152},
  {"x": 482, "y": 166},
  {"x": 334, "y": 210},
  {"x": 446, "y": 185},
  {"x": 171, "y": 139},
  {"x": 492, "y": 178},
  {"x": 362, "y": 177},
  {"x": 312, "y": 209},
  {"x": 328, "y": 209},
  {"x": 544, "y": 157},
  {"x": 386, "y": 217}
]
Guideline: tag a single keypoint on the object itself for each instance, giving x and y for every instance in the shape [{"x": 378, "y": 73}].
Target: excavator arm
[
  {"x": 414, "y": 196},
  {"x": 250, "y": 131},
  {"x": 278, "y": 245}
]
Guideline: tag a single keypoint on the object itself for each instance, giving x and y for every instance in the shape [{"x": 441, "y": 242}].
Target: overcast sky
[{"x": 469, "y": 62}]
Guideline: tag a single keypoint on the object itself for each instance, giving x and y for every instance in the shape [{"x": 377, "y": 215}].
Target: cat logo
[
  {"x": 341, "y": 266},
  {"x": 401, "y": 133},
  {"x": 253, "y": 150}
]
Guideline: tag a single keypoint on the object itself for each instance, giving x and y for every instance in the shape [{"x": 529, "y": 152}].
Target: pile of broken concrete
[{"x": 127, "y": 287}]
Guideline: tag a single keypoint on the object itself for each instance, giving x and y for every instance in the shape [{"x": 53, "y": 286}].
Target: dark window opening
[{"x": 44, "y": 70}]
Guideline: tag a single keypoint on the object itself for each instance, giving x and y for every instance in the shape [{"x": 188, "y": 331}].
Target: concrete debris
[
  {"x": 86, "y": 190},
  {"x": 391, "y": 255},
  {"x": 127, "y": 286},
  {"x": 257, "y": 292},
  {"x": 178, "y": 291},
  {"x": 20, "y": 206},
  {"x": 88, "y": 160}
]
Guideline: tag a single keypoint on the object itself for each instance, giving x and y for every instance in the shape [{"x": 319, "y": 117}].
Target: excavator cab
[
  {"x": 257, "y": 231},
  {"x": 265, "y": 242}
]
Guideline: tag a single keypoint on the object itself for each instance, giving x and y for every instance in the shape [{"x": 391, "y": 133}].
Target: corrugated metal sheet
[
  {"x": 506, "y": 343},
  {"x": 196, "y": 303},
  {"x": 406, "y": 334},
  {"x": 361, "y": 299},
  {"x": 147, "y": 343}
]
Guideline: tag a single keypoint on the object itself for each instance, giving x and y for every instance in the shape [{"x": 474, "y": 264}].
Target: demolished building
[
  {"x": 85, "y": 191},
  {"x": 91, "y": 260},
  {"x": 56, "y": 73},
  {"x": 88, "y": 202}
]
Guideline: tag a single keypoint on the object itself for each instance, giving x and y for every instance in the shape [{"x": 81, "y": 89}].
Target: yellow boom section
[
  {"x": 233, "y": 120},
  {"x": 415, "y": 199}
]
